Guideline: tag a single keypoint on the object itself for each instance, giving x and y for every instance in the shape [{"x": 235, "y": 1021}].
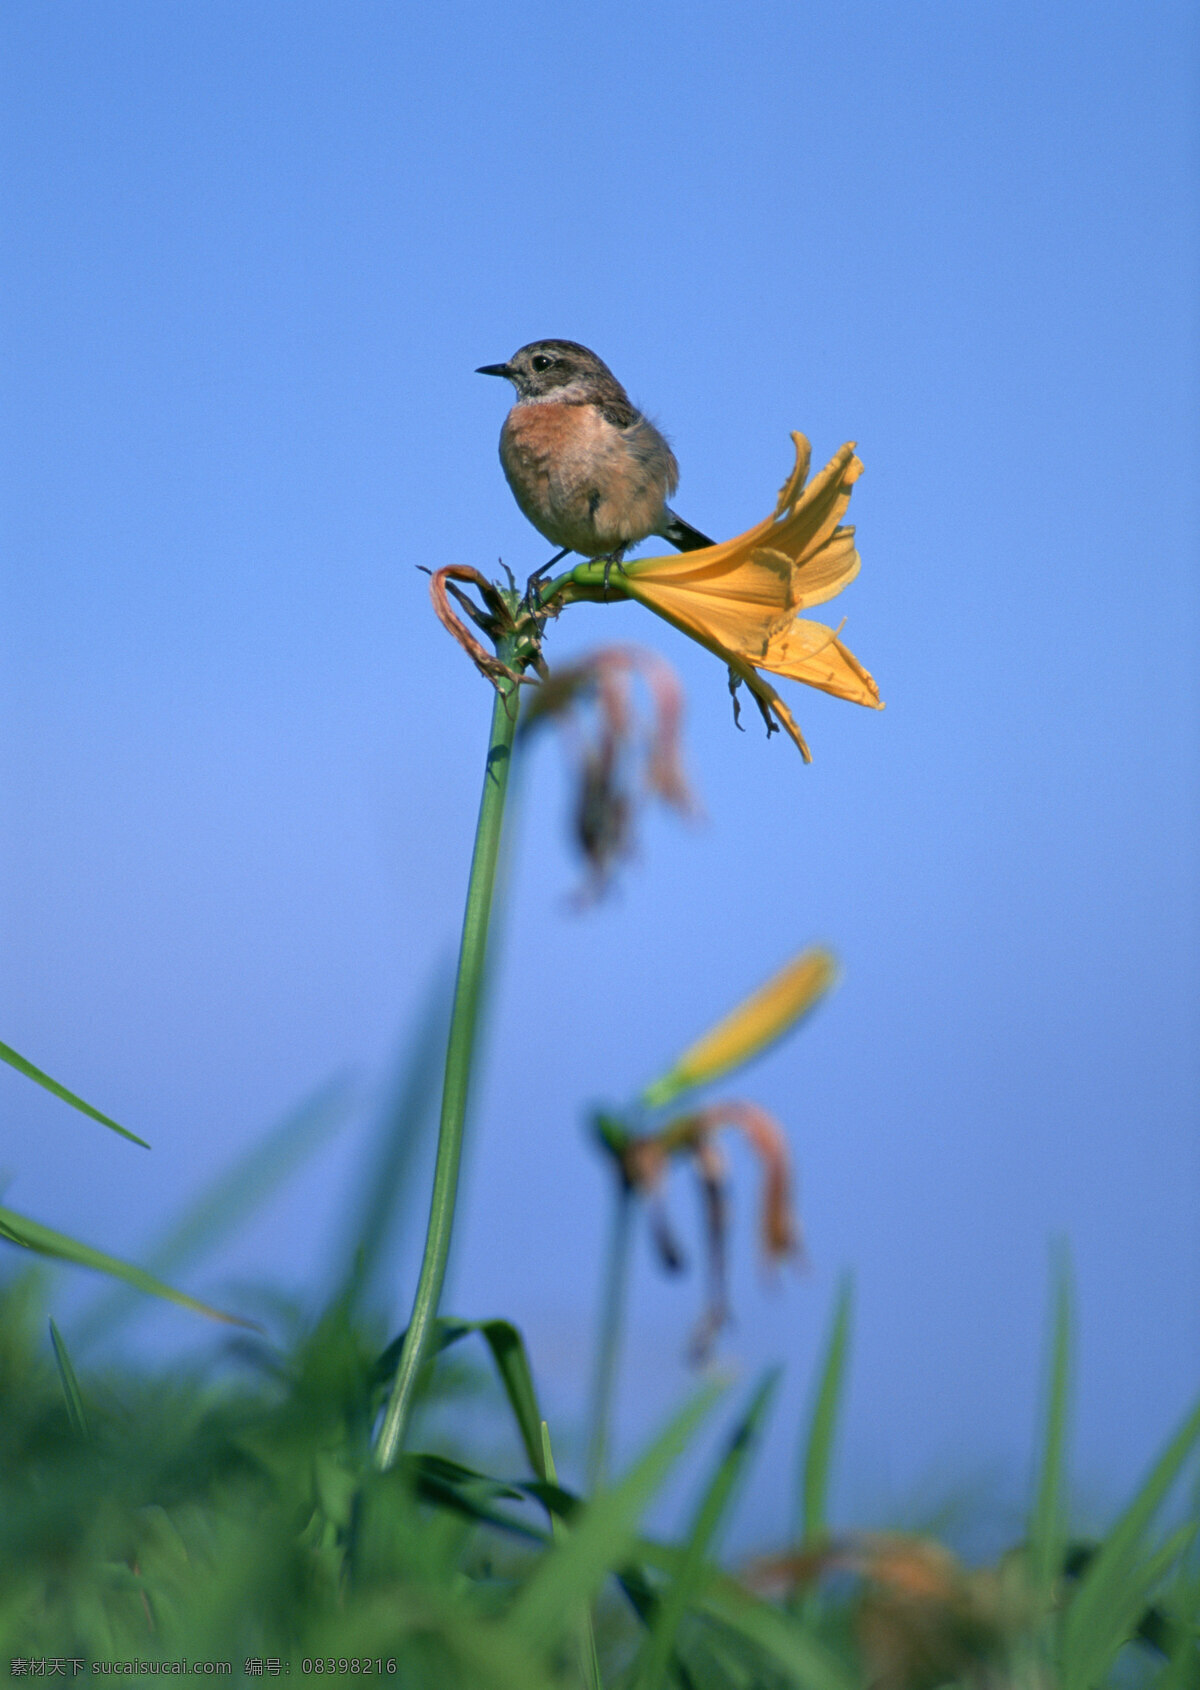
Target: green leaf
[
  {"x": 70, "y": 1384},
  {"x": 32, "y": 1235},
  {"x": 749, "y": 1620},
  {"x": 602, "y": 1536},
  {"x": 1047, "y": 1534},
  {"x": 554, "y": 1498},
  {"x": 718, "y": 1659},
  {"x": 454, "y": 1472},
  {"x": 656, "y": 1651},
  {"x": 471, "y": 1495},
  {"x": 235, "y": 1193},
  {"x": 1120, "y": 1622},
  {"x": 511, "y": 1358},
  {"x": 24, "y": 1066},
  {"x": 478, "y": 1653},
  {"x": 557, "y": 1524},
  {"x": 512, "y": 1364},
  {"x": 588, "y": 1659},
  {"x": 1181, "y": 1672},
  {"x": 811, "y": 1664},
  {"x": 1095, "y": 1625},
  {"x": 818, "y": 1450}
]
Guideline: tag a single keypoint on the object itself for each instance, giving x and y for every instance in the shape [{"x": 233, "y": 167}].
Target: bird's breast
[{"x": 581, "y": 481}]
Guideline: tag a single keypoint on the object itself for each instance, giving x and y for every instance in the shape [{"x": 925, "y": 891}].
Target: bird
[{"x": 586, "y": 467}]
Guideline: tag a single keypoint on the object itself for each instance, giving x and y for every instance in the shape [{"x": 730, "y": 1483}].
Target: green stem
[
  {"x": 616, "y": 1275},
  {"x": 467, "y": 993}
]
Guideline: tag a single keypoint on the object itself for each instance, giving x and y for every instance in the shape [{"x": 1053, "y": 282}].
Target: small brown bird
[{"x": 586, "y": 467}]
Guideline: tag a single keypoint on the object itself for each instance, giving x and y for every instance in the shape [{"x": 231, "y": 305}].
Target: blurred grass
[
  {"x": 236, "y": 1513},
  {"x": 239, "y": 1517}
]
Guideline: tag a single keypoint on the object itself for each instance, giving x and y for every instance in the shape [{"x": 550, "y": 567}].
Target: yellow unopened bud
[{"x": 757, "y": 1022}]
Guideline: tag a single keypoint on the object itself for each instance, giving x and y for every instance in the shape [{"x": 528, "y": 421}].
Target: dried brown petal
[
  {"x": 488, "y": 665},
  {"x": 922, "y": 1619},
  {"x": 779, "y": 1227}
]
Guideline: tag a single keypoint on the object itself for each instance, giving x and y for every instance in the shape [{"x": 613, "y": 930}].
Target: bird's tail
[{"x": 682, "y": 535}]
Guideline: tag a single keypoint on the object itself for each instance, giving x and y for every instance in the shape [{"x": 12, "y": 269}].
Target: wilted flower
[
  {"x": 741, "y": 599},
  {"x": 922, "y": 1618},
  {"x": 645, "y": 1159},
  {"x": 609, "y": 784},
  {"x": 505, "y": 616}
]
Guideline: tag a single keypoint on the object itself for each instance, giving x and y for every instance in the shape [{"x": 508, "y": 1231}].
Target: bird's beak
[{"x": 494, "y": 370}]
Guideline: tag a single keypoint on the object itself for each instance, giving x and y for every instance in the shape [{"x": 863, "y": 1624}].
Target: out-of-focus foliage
[
  {"x": 234, "y": 1520},
  {"x": 238, "y": 1516}
]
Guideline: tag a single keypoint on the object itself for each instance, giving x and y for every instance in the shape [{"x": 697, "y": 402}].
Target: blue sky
[{"x": 253, "y": 257}]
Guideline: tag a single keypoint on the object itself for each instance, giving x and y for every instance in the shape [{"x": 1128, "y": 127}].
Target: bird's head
[{"x": 555, "y": 369}]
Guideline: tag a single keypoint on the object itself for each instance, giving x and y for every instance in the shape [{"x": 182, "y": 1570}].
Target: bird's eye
[{"x": 540, "y": 362}]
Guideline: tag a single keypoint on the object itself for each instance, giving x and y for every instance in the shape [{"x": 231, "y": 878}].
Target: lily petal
[
  {"x": 810, "y": 652},
  {"x": 774, "y": 711},
  {"x": 820, "y": 508},
  {"x": 738, "y": 601},
  {"x": 793, "y": 486},
  {"x": 741, "y": 599}
]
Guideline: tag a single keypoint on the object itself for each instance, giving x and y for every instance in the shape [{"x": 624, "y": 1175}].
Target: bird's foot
[
  {"x": 617, "y": 558},
  {"x": 533, "y": 587}
]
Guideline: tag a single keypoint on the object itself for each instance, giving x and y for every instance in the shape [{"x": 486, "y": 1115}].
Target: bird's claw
[
  {"x": 616, "y": 558},
  {"x": 533, "y": 587}
]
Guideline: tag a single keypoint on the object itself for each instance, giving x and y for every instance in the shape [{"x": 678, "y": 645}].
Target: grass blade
[
  {"x": 1093, "y": 1629},
  {"x": 1182, "y": 1671},
  {"x": 656, "y": 1652},
  {"x": 589, "y": 1660},
  {"x": 32, "y": 1235},
  {"x": 512, "y": 1364},
  {"x": 1130, "y": 1600},
  {"x": 557, "y": 1525},
  {"x": 76, "y": 1413},
  {"x": 574, "y": 1571},
  {"x": 471, "y": 1650},
  {"x": 24, "y": 1066},
  {"x": 235, "y": 1193},
  {"x": 822, "y": 1430},
  {"x": 253, "y": 1178},
  {"x": 810, "y": 1663},
  {"x": 511, "y": 1358},
  {"x": 748, "y": 1620},
  {"x": 1047, "y": 1534},
  {"x": 475, "y": 1499}
]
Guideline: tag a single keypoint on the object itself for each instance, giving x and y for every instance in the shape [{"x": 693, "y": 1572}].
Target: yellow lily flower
[{"x": 741, "y": 599}]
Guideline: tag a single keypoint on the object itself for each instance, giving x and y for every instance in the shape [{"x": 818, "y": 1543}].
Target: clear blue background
[{"x": 252, "y": 257}]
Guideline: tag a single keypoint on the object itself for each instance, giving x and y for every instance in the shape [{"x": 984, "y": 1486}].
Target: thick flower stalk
[
  {"x": 515, "y": 631},
  {"x": 742, "y": 599}
]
